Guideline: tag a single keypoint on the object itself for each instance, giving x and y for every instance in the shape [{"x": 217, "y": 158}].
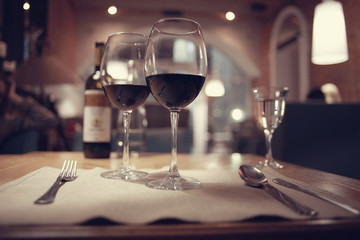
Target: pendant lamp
[{"x": 329, "y": 43}]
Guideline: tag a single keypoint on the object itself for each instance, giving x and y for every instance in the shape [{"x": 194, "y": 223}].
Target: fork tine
[
  {"x": 69, "y": 173},
  {"x": 69, "y": 169},
  {"x": 66, "y": 172},
  {"x": 62, "y": 169},
  {"x": 75, "y": 169}
]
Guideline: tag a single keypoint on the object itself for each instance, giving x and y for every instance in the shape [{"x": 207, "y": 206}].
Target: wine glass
[
  {"x": 123, "y": 80},
  {"x": 269, "y": 112},
  {"x": 175, "y": 71}
]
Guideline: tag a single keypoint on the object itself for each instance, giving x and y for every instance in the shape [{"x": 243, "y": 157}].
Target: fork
[{"x": 68, "y": 173}]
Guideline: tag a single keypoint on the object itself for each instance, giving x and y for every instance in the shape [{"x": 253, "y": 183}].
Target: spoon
[{"x": 255, "y": 178}]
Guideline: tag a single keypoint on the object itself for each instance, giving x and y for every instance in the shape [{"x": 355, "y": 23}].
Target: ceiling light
[
  {"x": 112, "y": 10},
  {"x": 230, "y": 16},
  {"x": 26, "y": 6},
  {"x": 329, "y": 43}
]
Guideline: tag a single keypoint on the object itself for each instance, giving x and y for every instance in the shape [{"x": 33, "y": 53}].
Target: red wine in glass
[
  {"x": 175, "y": 71},
  {"x": 126, "y": 96},
  {"x": 173, "y": 90},
  {"x": 123, "y": 81}
]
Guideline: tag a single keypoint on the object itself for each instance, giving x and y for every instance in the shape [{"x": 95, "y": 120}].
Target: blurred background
[{"x": 249, "y": 43}]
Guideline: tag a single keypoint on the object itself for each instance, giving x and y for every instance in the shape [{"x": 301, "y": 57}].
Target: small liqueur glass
[{"x": 269, "y": 105}]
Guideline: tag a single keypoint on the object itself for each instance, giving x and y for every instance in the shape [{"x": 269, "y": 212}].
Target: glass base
[
  {"x": 274, "y": 164},
  {"x": 124, "y": 174},
  {"x": 174, "y": 183}
]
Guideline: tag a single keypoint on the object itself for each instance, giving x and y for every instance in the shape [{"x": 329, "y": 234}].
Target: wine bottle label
[{"x": 97, "y": 117}]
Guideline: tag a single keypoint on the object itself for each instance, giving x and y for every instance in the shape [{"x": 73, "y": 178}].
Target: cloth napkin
[{"x": 223, "y": 197}]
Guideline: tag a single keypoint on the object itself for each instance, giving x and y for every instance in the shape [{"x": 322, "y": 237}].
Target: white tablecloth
[{"x": 223, "y": 197}]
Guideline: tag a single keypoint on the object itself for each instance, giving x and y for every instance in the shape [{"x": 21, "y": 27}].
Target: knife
[{"x": 284, "y": 183}]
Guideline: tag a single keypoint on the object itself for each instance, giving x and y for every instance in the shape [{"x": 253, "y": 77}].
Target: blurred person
[
  {"x": 316, "y": 95},
  {"x": 19, "y": 113},
  {"x": 331, "y": 92}
]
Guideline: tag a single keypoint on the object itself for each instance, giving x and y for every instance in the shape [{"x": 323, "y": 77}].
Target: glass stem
[
  {"x": 126, "y": 159},
  {"x": 268, "y": 136},
  {"x": 174, "y": 117}
]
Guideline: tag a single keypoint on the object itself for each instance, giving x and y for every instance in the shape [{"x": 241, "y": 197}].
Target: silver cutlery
[
  {"x": 285, "y": 183},
  {"x": 68, "y": 173},
  {"x": 255, "y": 178}
]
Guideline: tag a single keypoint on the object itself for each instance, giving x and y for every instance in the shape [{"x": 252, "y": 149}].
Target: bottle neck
[{"x": 98, "y": 54}]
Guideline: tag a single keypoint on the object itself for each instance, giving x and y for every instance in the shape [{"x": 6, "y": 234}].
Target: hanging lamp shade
[{"x": 329, "y": 43}]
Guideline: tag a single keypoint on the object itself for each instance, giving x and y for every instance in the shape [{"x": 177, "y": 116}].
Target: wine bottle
[{"x": 97, "y": 114}]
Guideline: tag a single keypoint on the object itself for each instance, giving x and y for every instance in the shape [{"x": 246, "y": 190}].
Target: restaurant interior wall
[
  {"x": 245, "y": 35},
  {"x": 345, "y": 75},
  {"x": 238, "y": 40},
  {"x": 63, "y": 23},
  {"x": 72, "y": 33}
]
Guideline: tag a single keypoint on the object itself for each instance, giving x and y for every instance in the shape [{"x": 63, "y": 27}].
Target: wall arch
[{"x": 303, "y": 49}]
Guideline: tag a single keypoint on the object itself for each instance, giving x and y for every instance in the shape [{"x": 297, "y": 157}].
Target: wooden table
[{"x": 15, "y": 166}]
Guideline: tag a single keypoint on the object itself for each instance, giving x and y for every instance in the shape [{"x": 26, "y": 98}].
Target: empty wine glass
[
  {"x": 269, "y": 112},
  {"x": 123, "y": 80},
  {"x": 175, "y": 70}
]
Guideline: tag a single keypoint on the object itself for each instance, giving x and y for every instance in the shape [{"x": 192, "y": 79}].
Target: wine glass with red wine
[
  {"x": 175, "y": 71},
  {"x": 123, "y": 80}
]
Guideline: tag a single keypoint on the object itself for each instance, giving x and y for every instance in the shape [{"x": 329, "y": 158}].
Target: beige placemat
[{"x": 223, "y": 197}]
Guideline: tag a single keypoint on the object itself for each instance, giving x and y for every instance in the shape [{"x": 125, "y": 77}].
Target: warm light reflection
[
  {"x": 230, "y": 16},
  {"x": 184, "y": 51},
  {"x": 236, "y": 159},
  {"x": 117, "y": 70},
  {"x": 112, "y": 10},
  {"x": 237, "y": 114},
  {"x": 26, "y": 6},
  {"x": 329, "y": 44},
  {"x": 67, "y": 108},
  {"x": 214, "y": 88}
]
